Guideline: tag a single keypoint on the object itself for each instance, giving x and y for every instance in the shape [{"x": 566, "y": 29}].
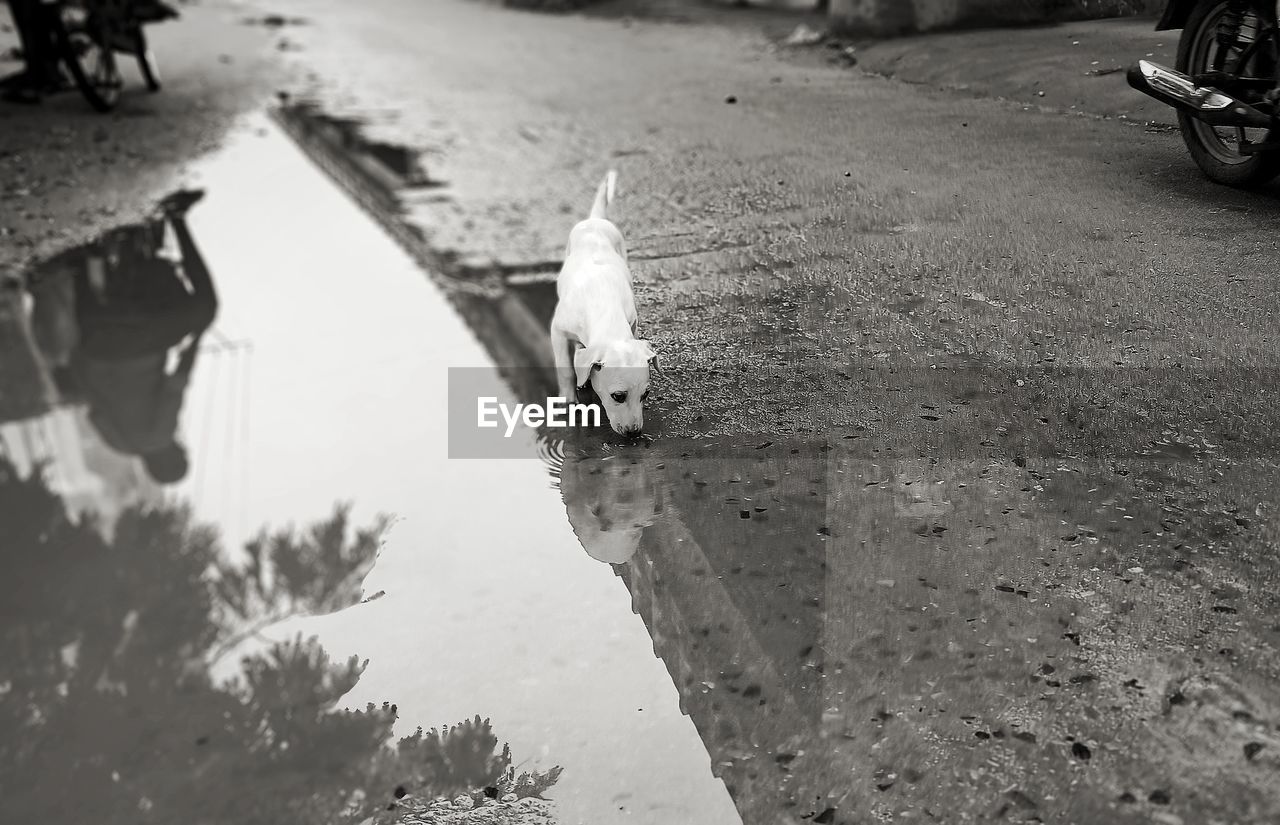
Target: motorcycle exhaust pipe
[{"x": 1176, "y": 89}]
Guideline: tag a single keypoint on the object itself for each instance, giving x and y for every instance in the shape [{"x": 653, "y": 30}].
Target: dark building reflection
[
  {"x": 859, "y": 633},
  {"x": 827, "y": 624}
]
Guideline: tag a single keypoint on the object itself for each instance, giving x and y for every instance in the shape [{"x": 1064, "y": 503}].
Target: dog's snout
[{"x": 631, "y": 431}]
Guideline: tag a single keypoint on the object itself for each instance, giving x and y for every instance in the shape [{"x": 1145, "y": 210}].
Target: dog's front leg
[{"x": 562, "y": 351}]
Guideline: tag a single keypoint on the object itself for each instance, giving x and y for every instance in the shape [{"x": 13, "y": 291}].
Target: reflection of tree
[
  {"x": 108, "y": 710},
  {"x": 289, "y": 574}
]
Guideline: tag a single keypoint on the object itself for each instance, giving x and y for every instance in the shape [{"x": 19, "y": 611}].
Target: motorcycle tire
[{"x": 1219, "y": 161}]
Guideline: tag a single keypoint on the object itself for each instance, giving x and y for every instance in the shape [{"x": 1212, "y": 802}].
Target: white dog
[{"x": 593, "y": 329}]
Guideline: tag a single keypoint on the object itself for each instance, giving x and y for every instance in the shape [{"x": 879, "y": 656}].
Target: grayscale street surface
[{"x": 957, "y": 498}]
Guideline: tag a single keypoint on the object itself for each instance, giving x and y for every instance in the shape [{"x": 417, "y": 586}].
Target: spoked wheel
[
  {"x": 86, "y": 41},
  {"x": 1221, "y": 152}
]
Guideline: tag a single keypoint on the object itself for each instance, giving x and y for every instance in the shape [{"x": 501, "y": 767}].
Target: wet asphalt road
[{"x": 960, "y": 502}]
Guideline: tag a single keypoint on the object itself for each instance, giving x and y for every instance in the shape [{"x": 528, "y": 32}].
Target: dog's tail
[{"x": 604, "y": 195}]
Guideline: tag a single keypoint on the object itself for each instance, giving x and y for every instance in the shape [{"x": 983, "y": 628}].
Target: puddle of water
[{"x": 323, "y": 379}]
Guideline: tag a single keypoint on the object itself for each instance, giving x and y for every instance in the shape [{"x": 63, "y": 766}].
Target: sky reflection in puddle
[{"x": 488, "y": 607}]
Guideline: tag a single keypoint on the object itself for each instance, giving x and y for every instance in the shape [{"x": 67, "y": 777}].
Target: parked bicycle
[
  {"x": 68, "y": 43},
  {"x": 91, "y": 33}
]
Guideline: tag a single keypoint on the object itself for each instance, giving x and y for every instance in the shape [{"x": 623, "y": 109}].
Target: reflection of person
[
  {"x": 133, "y": 316},
  {"x": 609, "y": 500}
]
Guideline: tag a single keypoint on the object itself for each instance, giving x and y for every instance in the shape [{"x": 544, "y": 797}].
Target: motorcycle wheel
[{"x": 1216, "y": 149}]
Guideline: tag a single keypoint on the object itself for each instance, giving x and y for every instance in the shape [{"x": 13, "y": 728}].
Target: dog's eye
[{"x": 620, "y": 397}]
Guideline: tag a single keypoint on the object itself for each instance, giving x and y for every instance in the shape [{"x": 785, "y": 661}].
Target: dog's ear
[
  {"x": 651, "y": 356},
  {"x": 585, "y": 360}
]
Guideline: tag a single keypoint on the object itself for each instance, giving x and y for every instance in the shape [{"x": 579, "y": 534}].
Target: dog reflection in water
[{"x": 610, "y": 499}]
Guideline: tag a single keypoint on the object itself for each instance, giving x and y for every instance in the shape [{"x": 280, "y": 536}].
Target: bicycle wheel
[{"x": 85, "y": 41}]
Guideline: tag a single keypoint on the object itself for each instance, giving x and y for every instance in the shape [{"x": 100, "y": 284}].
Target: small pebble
[{"x": 731, "y": 99}]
